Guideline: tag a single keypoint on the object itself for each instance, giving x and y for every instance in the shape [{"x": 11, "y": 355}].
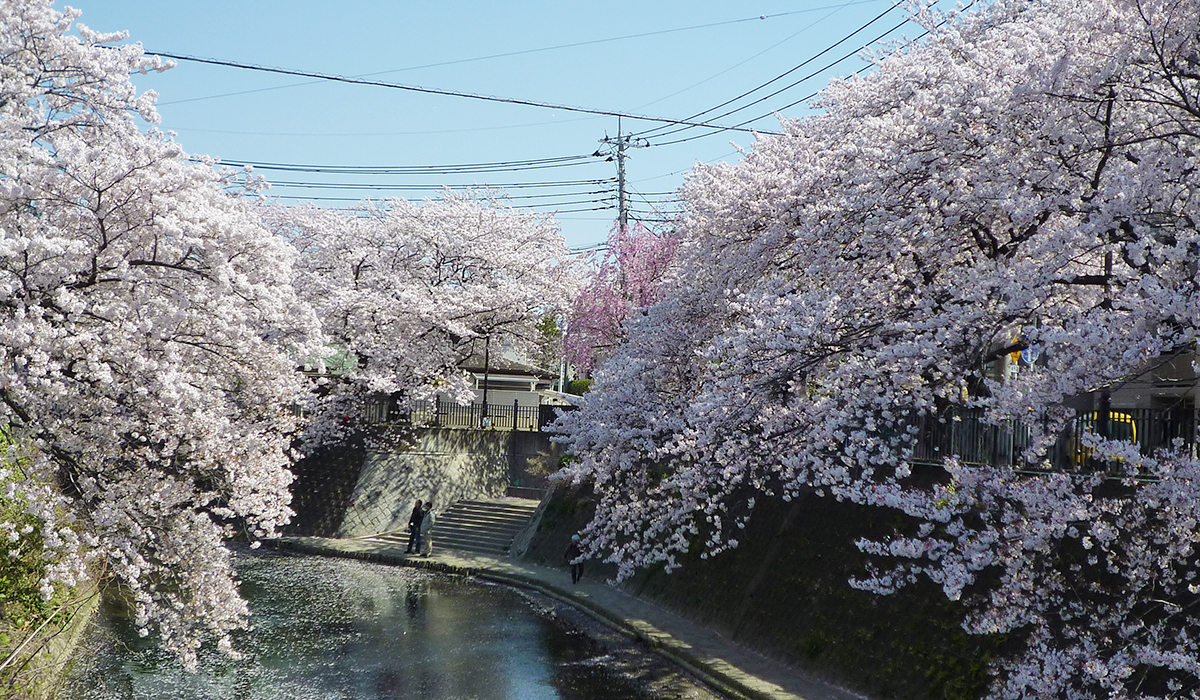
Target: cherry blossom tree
[
  {"x": 1027, "y": 170},
  {"x": 625, "y": 279},
  {"x": 407, "y": 291},
  {"x": 147, "y": 335}
]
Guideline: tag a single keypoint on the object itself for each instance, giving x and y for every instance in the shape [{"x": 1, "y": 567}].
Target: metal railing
[
  {"x": 477, "y": 416},
  {"x": 966, "y": 435},
  {"x": 962, "y": 433}
]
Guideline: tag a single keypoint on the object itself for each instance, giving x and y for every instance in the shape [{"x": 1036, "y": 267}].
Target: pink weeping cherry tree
[{"x": 625, "y": 279}]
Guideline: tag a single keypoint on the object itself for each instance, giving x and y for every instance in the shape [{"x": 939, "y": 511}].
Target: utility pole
[
  {"x": 616, "y": 149},
  {"x": 487, "y": 351}
]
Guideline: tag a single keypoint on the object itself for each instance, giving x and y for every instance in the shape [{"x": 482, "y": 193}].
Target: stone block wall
[
  {"x": 442, "y": 464},
  {"x": 370, "y": 486},
  {"x": 322, "y": 489}
]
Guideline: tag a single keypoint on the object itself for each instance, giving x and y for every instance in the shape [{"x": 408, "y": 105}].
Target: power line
[
  {"x": 588, "y": 249},
  {"x": 434, "y": 187},
  {"x": 575, "y": 211},
  {"x": 756, "y": 18},
  {"x": 556, "y": 206},
  {"x": 806, "y": 78},
  {"x": 661, "y": 196},
  {"x": 806, "y": 98},
  {"x": 558, "y": 215},
  {"x": 562, "y": 192},
  {"x": 750, "y": 58},
  {"x": 667, "y": 197},
  {"x": 402, "y": 188},
  {"x": 553, "y": 195},
  {"x": 388, "y": 170},
  {"x": 537, "y": 50},
  {"x": 362, "y": 134},
  {"x": 680, "y": 172},
  {"x": 439, "y": 91},
  {"x": 450, "y": 169},
  {"x": 762, "y": 116},
  {"x": 670, "y": 193},
  {"x": 648, "y": 133}
]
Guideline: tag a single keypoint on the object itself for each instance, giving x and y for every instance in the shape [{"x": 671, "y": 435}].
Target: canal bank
[{"x": 712, "y": 658}]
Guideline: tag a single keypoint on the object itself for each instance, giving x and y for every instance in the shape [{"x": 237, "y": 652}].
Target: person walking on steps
[
  {"x": 414, "y": 529},
  {"x": 574, "y": 551},
  {"x": 427, "y": 525}
]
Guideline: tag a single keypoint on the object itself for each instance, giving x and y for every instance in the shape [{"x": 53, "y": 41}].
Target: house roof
[{"x": 502, "y": 365}]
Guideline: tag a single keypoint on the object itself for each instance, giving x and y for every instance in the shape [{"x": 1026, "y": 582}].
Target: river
[{"x": 337, "y": 629}]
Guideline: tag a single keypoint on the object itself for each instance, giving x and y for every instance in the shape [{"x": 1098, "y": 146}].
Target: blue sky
[{"x": 669, "y": 59}]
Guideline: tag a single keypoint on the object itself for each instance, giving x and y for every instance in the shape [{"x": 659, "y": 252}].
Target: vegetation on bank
[{"x": 32, "y": 623}]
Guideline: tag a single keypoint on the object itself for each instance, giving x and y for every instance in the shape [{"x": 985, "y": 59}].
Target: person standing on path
[
  {"x": 574, "y": 551},
  {"x": 414, "y": 529},
  {"x": 427, "y": 525}
]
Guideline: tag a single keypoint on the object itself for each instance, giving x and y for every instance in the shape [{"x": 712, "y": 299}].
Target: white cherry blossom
[
  {"x": 1027, "y": 170},
  {"x": 406, "y": 291},
  {"x": 148, "y": 328}
]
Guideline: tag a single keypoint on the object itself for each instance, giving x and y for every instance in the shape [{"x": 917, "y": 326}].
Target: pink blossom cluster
[{"x": 626, "y": 278}]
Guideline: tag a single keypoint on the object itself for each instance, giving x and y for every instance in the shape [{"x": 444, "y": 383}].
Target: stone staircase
[{"x": 485, "y": 525}]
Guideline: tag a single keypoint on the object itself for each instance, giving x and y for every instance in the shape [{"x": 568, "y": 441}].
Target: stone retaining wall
[
  {"x": 784, "y": 592},
  {"x": 442, "y": 464},
  {"x": 369, "y": 487}
]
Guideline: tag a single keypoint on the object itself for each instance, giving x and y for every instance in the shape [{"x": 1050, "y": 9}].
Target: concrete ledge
[{"x": 717, "y": 674}]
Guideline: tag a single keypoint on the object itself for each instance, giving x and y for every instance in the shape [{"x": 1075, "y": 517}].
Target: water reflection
[{"x": 329, "y": 629}]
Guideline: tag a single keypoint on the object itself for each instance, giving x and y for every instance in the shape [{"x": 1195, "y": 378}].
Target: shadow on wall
[
  {"x": 322, "y": 489},
  {"x": 368, "y": 486},
  {"x": 784, "y": 592},
  {"x": 535, "y": 458},
  {"x": 439, "y": 464}
]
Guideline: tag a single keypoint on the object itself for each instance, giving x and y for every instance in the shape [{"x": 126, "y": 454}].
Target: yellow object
[{"x": 1121, "y": 426}]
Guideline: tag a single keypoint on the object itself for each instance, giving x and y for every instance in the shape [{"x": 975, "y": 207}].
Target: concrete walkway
[{"x": 712, "y": 658}]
